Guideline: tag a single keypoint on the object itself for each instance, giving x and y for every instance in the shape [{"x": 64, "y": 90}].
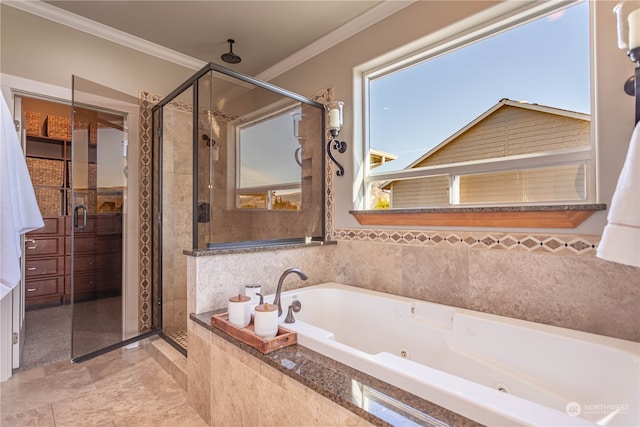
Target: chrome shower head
[{"x": 230, "y": 57}]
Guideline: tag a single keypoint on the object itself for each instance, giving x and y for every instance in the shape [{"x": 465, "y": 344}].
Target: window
[
  {"x": 266, "y": 181},
  {"x": 502, "y": 118}
]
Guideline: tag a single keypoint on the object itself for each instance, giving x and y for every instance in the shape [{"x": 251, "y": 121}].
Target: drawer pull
[
  {"x": 32, "y": 268},
  {"x": 32, "y": 290},
  {"x": 32, "y": 247},
  {"x": 29, "y": 241}
]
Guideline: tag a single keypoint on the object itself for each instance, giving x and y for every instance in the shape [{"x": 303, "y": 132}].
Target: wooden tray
[{"x": 284, "y": 337}]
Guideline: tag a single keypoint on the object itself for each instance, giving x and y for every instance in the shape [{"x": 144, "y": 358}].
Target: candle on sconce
[
  {"x": 634, "y": 28},
  {"x": 334, "y": 118}
]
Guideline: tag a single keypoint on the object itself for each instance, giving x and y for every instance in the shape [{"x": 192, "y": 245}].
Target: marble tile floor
[{"x": 125, "y": 387}]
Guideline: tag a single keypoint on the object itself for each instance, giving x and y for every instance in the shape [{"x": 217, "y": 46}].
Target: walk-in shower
[{"x": 237, "y": 162}]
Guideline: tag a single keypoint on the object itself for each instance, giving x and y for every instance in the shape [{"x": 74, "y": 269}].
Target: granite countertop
[
  {"x": 247, "y": 247},
  {"x": 335, "y": 381}
]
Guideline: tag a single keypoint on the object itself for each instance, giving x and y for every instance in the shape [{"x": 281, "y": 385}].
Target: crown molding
[
  {"x": 362, "y": 22},
  {"x": 63, "y": 17}
]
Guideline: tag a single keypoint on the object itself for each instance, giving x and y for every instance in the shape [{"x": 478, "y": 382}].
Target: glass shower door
[{"x": 96, "y": 208}]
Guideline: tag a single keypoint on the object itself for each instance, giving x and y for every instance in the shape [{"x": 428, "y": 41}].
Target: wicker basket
[
  {"x": 58, "y": 127},
  {"x": 32, "y": 123},
  {"x": 46, "y": 172},
  {"x": 48, "y": 200}
]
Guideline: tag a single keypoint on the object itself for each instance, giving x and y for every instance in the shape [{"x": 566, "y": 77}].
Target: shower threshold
[{"x": 178, "y": 338}]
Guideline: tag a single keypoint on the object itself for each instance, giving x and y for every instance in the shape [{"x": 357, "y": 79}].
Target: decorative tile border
[
  {"x": 324, "y": 97},
  {"x": 145, "y": 321},
  {"x": 531, "y": 242}
]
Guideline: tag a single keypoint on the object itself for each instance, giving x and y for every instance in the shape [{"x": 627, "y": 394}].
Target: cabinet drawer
[
  {"x": 100, "y": 224},
  {"x": 52, "y": 225},
  {"x": 43, "y": 246},
  {"x": 83, "y": 283},
  {"x": 43, "y": 287},
  {"x": 91, "y": 243},
  {"x": 109, "y": 224},
  {"x": 90, "y": 227},
  {"x": 90, "y": 263},
  {"x": 44, "y": 267}
]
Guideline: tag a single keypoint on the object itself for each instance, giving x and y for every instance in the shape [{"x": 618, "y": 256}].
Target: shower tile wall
[{"x": 176, "y": 216}]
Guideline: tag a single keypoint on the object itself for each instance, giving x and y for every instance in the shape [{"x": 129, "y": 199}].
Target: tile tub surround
[
  {"x": 215, "y": 276},
  {"x": 292, "y": 386},
  {"x": 571, "y": 291}
]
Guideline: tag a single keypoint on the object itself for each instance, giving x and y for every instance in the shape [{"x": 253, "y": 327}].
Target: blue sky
[
  {"x": 261, "y": 152},
  {"x": 544, "y": 62}
]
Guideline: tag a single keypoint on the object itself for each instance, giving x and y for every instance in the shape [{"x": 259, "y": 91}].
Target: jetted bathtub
[{"x": 494, "y": 370}]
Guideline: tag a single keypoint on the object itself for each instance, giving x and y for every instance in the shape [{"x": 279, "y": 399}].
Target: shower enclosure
[{"x": 237, "y": 162}]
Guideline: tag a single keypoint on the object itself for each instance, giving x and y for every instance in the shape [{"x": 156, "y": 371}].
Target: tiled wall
[
  {"x": 572, "y": 291},
  {"x": 177, "y": 178},
  {"x": 214, "y": 279}
]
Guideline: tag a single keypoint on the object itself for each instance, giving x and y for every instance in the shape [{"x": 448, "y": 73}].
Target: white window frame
[{"x": 458, "y": 36}]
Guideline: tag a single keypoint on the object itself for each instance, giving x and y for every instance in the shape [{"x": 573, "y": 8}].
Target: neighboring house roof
[
  {"x": 502, "y": 103},
  {"x": 379, "y": 157},
  {"x": 428, "y": 158}
]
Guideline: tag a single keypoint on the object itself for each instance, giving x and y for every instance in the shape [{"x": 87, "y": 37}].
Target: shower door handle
[{"x": 76, "y": 212}]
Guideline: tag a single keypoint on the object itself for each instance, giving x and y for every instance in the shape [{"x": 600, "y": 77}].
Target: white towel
[
  {"x": 18, "y": 206},
  {"x": 621, "y": 237}
]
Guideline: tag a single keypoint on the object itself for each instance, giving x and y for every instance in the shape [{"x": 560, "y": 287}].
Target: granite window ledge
[
  {"x": 544, "y": 216},
  {"x": 253, "y": 246}
]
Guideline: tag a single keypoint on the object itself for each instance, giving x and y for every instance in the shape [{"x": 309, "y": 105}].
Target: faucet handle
[
  {"x": 261, "y": 297},
  {"x": 294, "y": 307}
]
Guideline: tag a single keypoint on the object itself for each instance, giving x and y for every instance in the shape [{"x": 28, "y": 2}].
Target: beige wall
[{"x": 41, "y": 50}]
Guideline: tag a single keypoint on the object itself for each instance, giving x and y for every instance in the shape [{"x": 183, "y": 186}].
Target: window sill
[{"x": 551, "y": 216}]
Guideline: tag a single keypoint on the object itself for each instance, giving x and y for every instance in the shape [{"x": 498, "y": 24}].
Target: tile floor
[{"x": 125, "y": 387}]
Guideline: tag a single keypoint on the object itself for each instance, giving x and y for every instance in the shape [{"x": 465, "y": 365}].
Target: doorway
[{"x": 79, "y": 296}]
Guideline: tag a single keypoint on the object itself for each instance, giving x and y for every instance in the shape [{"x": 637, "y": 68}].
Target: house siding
[
  {"x": 416, "y": 192},
  {"x": 508, "y": 131},
  {"x": 511, "y": 131}
]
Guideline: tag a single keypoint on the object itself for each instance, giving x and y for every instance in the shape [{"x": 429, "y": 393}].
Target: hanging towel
[
  {"x": 621, "y": 236},
  {"x": 18, "y": 206}
]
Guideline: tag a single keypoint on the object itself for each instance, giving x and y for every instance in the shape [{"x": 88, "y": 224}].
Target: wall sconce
[
  {"x": 628, "y": 32},
  {"x": 335, "y": 123}
]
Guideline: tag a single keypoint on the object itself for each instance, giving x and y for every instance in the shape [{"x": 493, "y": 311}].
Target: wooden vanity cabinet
[
  {"x": 97, "y": 266},
  {"x": 44, "y": 264}
]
